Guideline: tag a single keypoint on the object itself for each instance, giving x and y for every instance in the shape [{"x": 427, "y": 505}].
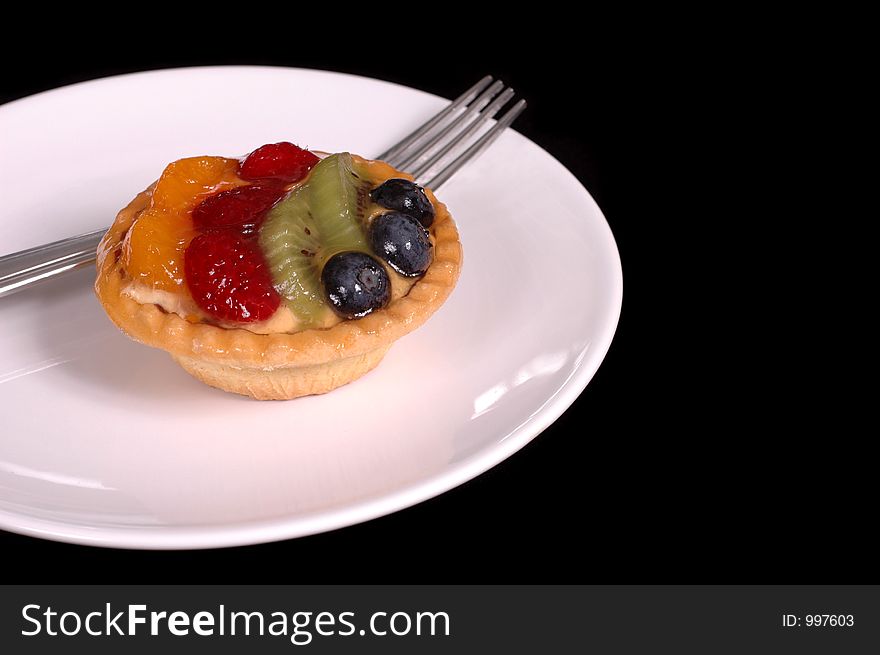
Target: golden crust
[
  {"x": 206, "y": 350},
  {"x": 283, "y": 383}
]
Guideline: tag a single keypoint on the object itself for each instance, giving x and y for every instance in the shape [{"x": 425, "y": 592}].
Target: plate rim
[{"x": 218, "y": 535}]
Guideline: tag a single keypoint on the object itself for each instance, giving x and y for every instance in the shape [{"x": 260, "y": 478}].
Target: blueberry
[
  {"x": 355, "y": 284},
  {"x": 402, "y": 242},
  {"x": 405, "y": 196}
]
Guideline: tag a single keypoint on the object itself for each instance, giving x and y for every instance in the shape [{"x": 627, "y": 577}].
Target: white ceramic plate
[{"x": 107, "y": 442}]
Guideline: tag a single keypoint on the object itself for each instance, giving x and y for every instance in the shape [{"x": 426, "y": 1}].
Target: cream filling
[
  {"x": 283, "y": 320},
  {"x": 173, "y": 303}
]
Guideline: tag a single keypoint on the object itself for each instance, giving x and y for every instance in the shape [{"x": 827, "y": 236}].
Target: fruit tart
[{"x": 279, "y": 275}]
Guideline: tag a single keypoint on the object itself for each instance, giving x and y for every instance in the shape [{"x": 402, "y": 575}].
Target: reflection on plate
[{"x": 109, "y": 443}]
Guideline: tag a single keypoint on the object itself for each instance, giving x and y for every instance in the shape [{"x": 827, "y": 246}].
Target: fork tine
[
  {"x": 463, "y": 99},
  {"x": 417, "y": 149},
  {"x": 472, "y": 129},
  {"x": 484, "y": 142}
]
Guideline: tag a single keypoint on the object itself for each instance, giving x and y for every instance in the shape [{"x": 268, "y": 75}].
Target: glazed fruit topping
[
  {"x": 322, "y": 217},
  {"x": 251, "y": 247},
  {"x": 242, "y": 208},
  {"x": 406, "y": 197},
  {"x": 229, "y": 279},
  {"x": 355, "y": 284},
  {"x": 224, "y": 269},
  {"x": 402, "y": 242},
  {"x": 184, "y": 182},
  {"x": 153, "y": 250},
  {"x": 283, "y": 162}
]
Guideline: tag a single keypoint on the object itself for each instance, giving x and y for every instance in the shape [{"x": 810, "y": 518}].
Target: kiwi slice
[
  {"x": 339, "y": 200},
  {"x": 323, "y": 216}
]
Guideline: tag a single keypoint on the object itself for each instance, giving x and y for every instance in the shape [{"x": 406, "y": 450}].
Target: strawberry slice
[
  {"x": 228, "y": 278},
  {"x": 242, "y": 208},
  {"x": 283, "y": 161}
]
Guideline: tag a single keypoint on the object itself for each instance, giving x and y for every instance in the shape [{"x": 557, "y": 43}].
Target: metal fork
[{"x": 433, "y": 153}]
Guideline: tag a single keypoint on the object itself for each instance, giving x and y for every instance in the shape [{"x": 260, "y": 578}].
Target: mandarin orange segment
[
  {"x": 154, "y": 246},
  {"x": 185, "y": 182}
]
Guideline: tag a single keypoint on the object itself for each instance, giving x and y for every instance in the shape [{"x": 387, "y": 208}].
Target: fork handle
[{"x": 26, "y": 267}]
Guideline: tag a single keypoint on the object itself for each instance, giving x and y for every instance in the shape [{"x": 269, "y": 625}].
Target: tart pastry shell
[{"x": 283, "y": 365}]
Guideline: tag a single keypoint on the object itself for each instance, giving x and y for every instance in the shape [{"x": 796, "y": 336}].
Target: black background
[{"x": 675, "y": 463}]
